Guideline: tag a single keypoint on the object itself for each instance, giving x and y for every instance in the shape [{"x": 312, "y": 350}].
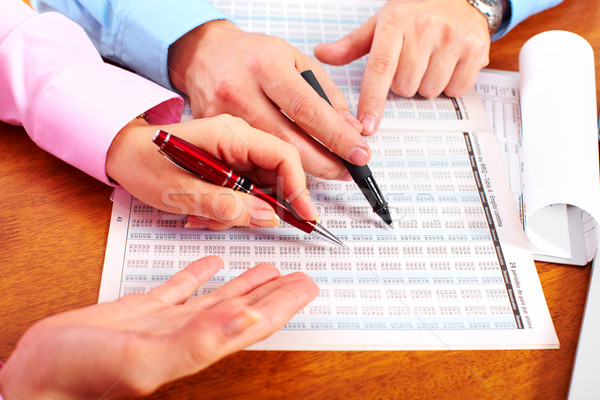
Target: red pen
[{"x": 198, "y": 162}]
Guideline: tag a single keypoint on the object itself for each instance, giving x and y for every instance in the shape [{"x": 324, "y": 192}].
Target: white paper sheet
[
  {"x": 552, "y": 156},
  {"x": 453, "y": 272},
  {"x": 584, "y": 380}
]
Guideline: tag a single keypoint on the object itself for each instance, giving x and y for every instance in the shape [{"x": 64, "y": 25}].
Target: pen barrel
[
  {"x": 361, "y": 174},
  {"x": 310, "y": 77},
  {"x": 208, "y": 168},
  {"x": 372, "y": 193},
  {"x": 194, "y": 159},
  {"x": 357, "y": 172},
  {"x": 284, "y": 210}
]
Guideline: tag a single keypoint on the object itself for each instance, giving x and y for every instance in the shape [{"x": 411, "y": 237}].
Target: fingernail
[
  {"x": 195, "y": 225},
  {"x": 351, "y": 119},
  {"x": 264, "y": 218},
  {"x": 360, "y": 154},
  {"x": 302, "y": 203},
  {"x": 369, "y": 124},
  {"x": 241, "y": 322},
  {"x": 312, "y": 209}
]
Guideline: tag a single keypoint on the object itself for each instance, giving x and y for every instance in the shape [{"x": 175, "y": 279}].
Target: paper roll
[{"x": 560, "y": 135}]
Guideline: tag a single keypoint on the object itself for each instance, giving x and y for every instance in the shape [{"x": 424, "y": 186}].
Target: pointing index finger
[{"x": 379, "y": 73}]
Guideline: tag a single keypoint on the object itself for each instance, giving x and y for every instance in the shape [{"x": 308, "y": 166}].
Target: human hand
[
  {"x": 133, "y": 345},
  {"x": 253, "y": 76},
  {"x": 134, "y": 162},
  {"x": 415, "y": 46}
]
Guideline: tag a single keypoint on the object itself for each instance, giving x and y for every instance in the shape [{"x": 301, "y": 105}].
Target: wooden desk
[{"x": 53, "y": 229}]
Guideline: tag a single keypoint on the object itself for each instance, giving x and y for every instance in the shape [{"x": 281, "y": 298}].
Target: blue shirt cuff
[
  {"x": 523, "y": 9},
  {"x": 152, "y": 27}
]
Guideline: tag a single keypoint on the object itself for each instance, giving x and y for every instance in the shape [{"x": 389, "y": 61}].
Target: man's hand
[
  {"x": 414, "y": 46},
  {"x": 134, "y": 162},
  {"x": 254, "y": 76},
  {"x": 135, "y": 344}
]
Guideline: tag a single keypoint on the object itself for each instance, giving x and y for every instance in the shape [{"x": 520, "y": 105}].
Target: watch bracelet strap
[{"x": 506, "y": 17}]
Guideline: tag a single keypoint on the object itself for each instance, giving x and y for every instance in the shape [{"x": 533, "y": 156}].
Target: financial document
[{"x": 453, "y": 271}]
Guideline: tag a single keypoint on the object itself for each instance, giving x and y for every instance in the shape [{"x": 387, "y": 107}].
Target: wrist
[
  {"x": 185, "y": 53},
  {"x": 119, "y": 150},
  {"x": 497, "y": 14}
]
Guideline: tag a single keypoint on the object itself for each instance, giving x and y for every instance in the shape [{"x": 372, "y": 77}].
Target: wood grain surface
[{"x": 53, "y": 229}]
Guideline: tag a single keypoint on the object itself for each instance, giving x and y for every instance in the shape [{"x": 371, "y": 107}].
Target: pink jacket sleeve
[{"x": 71, "y": 103}]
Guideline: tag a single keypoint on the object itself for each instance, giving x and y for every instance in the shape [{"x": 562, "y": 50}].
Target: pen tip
[
  {"x": 325, "y": 234},
  {"x": 384, "y": 213}
]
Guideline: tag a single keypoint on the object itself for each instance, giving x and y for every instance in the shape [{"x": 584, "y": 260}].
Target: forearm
[
  {"x": 70, "y": 102},
  {"x": 136, "y": 33}
]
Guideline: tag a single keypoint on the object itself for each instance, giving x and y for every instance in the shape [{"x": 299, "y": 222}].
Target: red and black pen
[{"x": 198, "y": 162}]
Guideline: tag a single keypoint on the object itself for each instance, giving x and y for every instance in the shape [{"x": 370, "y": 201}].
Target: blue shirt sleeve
[
  {"x": 136, "y": 33},
  {"x": 523, "y": 9}
]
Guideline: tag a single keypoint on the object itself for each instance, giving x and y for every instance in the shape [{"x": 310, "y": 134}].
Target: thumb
[{"x": 350, "y": 47}]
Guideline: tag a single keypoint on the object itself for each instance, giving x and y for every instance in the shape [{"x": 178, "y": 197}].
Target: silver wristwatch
[{"x": 497, "y": 13}]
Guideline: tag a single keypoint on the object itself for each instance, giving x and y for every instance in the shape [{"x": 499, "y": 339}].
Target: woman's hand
[
  {"x": 135, "y": 344},
  {"x": 133, "y": 161}
]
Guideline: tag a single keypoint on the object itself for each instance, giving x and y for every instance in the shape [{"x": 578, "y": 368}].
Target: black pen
[{"x": 361, "y": 174}]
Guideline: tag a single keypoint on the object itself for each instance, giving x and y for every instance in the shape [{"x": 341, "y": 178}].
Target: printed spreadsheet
[{"x": 453, "y": 271}]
